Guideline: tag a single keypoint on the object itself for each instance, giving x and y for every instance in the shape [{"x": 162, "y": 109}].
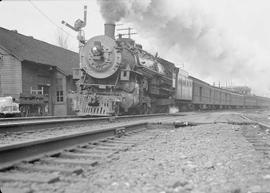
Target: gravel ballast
[{"x": 199, "y": 159}]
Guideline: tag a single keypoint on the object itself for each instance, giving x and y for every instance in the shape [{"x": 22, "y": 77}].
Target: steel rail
[
  {"x": 36, "y": 118},
  {"x": 262, "y": 125},
  {"x": 11, "y": 119},
  {"x": 14, "y": 119},
  {"x": 12, "y": 154},
  {"x": 14, "y": 124}
]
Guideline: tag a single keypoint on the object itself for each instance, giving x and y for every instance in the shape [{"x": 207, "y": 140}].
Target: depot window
[{"x": 59, "y": 90}]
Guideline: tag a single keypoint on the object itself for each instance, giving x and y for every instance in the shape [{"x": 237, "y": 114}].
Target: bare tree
[{"x": 62, "y": 39}]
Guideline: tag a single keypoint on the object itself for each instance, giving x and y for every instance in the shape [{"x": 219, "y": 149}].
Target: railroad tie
[
  {"x": 15, "y": 190},
  {"x": 50, "y": 168},
  {"x": 95, "y": 152},
  {"x": 28, "y": 177},
  {"x": 75, "y": 155},
  {"x": 82, "y": 162}
]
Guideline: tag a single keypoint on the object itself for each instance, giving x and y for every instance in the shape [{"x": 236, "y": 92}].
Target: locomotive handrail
[{"x": 162, "y": 75}]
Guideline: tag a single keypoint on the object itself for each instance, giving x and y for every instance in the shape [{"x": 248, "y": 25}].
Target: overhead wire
[{"x": 49, "y": 19}]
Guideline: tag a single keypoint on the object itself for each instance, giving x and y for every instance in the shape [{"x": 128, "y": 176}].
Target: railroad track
[
  {"x": 259, "y": 136},
  {"x": 36, "y": 118},
  {"x": 47, "y": 165},
  {"x": 34, "y": 121},
  {"x": 20, "y": 132},
  {"x": 28, "y": 121}
]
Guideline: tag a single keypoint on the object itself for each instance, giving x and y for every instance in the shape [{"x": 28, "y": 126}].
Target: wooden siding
[
  {"x": 34, "y": 75},
  {"x": 18, "y": 78},
  {"x": 10, "y": 75}
]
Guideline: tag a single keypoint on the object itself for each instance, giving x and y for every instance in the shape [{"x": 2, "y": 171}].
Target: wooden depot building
[{"x": 36, "y": 74}]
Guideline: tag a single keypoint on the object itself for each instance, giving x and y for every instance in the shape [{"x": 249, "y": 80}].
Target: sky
[{"x": 221, "y": 41}]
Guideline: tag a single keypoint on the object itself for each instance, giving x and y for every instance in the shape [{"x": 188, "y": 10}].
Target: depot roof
[{"x": 26, "y": 48}]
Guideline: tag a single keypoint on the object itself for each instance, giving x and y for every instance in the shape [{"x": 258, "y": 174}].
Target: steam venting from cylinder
[{"x": 109, "y": 29}]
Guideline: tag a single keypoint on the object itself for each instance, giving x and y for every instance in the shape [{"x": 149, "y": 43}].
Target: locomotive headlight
[{"x": 95, "y": 51}]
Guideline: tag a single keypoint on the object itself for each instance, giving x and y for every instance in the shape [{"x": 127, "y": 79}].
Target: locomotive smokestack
[{"x": 109, "y": 29}]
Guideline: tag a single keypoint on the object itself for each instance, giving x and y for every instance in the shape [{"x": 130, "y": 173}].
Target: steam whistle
[{"x": 78, "y": 25}]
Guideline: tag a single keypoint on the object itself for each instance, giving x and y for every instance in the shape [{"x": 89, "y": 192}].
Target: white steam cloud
[{"x": 183, "y": 32}]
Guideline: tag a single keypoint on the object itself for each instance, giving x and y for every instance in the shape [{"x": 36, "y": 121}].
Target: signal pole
[{"x": 78, "y": 27}]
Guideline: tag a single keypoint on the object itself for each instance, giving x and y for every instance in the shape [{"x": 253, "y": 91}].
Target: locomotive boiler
[{"x": 118, "y": 76}]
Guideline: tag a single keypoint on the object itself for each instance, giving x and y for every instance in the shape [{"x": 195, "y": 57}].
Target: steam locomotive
[{"x": 117, "y": 76}]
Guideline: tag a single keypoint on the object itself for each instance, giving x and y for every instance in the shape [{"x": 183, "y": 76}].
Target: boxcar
[
  {"x": 201, "y": 93},
  {"x": 237, "y": 100},
  {"x": 206, "y": 96},
  {"x": 183, "y": 92},
  {"x": 183, "y": 86},
  {"x": 250, "y": 101},
  {"x": 263, "y": 102}
]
